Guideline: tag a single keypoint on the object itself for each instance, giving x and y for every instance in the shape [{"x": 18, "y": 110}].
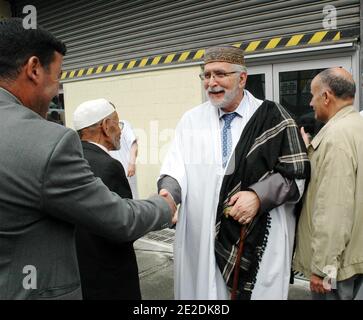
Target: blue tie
[{"x": 226, "y": 136}]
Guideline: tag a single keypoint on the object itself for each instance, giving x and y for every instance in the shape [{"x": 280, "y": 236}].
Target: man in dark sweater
[{"x": 108, "y": 270}]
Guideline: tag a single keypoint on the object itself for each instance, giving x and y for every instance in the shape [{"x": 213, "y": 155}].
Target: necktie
[{"x": 226, "y": 136}]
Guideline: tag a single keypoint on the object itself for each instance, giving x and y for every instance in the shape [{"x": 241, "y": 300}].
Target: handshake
[{"x": 170, "y": 201}]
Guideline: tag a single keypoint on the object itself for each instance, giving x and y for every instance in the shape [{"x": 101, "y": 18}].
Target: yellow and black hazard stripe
[{"x": 255, "y": 46}]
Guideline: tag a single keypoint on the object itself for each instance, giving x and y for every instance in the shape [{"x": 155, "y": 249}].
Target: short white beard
[
  {"x": 116, "y": 144},
  {"x": 227, "y": 99}
]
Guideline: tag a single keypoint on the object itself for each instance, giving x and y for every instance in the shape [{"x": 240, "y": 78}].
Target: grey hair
[
  {"x": 342, "y": 87},
  {"x": 91, "y": 128},
  {"x": 239, "y": 68}
]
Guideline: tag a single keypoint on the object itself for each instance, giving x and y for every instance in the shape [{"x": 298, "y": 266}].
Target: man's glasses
[
  {"x": 218, "y": 75},
  {"x": 121, "y": 124},
  {"x": 108, "y": 119}
]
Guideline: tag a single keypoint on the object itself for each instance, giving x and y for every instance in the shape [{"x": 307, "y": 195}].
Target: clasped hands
[
  {"x": 170, "y": 201},
  {"x": 245, "y": 206}
]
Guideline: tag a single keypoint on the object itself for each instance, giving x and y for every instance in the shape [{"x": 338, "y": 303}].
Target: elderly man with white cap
[
  {"x": 98, "y": 120},
  {"x": 108, "y": 270},
  {"x": 235, "y": 165}
]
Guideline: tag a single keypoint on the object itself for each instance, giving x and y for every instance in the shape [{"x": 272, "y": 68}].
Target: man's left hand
[
  {"x": 245, "y": 206},
  {"x": 317, "y": 284}
]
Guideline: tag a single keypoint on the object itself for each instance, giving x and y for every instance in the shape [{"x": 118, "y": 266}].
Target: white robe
[
  {"x": 195, "y": 161},
  {"x": 124, "y": 153}
]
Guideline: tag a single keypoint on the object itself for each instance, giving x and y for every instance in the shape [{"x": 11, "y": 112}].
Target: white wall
[{"x": 153, "y": 102}]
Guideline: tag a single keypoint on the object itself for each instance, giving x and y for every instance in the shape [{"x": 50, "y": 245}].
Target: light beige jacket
[{"x": 330, "y": 230}]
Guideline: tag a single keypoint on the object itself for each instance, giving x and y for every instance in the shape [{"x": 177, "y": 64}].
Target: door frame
[
  {"x": 265, "y": 69},
  {"x": 345, "y": 62}
]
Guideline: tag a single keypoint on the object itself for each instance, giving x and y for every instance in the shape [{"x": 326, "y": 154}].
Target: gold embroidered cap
[{"x": 228, "y": 54}]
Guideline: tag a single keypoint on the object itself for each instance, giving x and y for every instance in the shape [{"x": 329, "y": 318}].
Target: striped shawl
[{"x": 269, "y": 143}]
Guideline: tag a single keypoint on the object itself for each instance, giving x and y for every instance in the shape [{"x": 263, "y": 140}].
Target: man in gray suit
[{"x": 46, "y": 186}]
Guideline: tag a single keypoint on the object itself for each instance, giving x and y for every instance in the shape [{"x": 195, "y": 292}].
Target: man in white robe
[
  {"x": 127, "y": 155},
  {"x": 193, "y": 172}
]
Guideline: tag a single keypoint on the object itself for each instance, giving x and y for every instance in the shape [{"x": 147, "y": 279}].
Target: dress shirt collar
[
  {"x": 100, "y": 146},
  {"x": 241, "y": 109},
  {"x": 321, "y": 134}
]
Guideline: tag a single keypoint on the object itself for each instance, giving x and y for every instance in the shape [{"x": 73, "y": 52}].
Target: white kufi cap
[{"x": 90, "y": 112}]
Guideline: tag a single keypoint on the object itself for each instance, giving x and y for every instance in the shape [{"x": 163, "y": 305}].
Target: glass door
[
  {"x": 259, "y": 81},
  {"x": 292, "y": 87}
]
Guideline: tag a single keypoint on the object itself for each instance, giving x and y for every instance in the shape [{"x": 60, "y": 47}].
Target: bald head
[{"x": 339, "y": 81}]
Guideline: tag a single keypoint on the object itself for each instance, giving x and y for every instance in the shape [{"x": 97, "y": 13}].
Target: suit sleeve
[{"x": 72, "y": 193}]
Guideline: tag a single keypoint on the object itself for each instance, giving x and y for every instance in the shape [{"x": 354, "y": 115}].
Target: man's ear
[
  {"x": 33, "y": 69},
  {"x": 104, "y": 127},
  {"x": 328, "y": 95},
  {"x": 242, "y": 79}
]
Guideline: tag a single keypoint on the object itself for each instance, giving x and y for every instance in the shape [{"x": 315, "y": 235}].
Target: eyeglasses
[
  {"x": 121, "y": 124},
  {"x": 108, "y": 119},
  {"x": 218, "y": 75}
]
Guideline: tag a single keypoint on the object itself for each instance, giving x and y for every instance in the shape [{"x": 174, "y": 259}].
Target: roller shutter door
[{"x": 101, "y": 32}]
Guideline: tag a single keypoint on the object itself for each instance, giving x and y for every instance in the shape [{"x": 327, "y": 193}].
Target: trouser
[{"x": 349, "y": 289}]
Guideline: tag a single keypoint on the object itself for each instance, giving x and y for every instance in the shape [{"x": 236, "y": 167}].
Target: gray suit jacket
[{"x": 47, "y": 187}]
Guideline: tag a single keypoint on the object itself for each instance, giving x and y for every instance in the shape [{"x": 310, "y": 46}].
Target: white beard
[{"x": 227, "y": 99}]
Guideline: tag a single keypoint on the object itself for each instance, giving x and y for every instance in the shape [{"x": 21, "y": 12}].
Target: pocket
[{"x": 67, "y": 292}]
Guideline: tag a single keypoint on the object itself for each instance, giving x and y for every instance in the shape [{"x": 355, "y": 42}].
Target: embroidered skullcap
[
  {"x": 228, "y": 54},
  {"x": 90, "y": 112}
]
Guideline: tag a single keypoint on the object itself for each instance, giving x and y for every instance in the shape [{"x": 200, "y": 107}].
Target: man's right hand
[
  {"x": 170, "y": 201},
  {"x": 306, "y": 136}
]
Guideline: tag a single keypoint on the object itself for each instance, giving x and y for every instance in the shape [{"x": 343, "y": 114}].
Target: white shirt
[{"x": 245, "y": 111}]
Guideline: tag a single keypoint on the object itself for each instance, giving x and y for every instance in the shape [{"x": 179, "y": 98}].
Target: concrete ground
[{"x": 155, "y": 260}]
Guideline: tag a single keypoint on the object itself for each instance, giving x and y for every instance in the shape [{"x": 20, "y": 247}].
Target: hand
[
  {"x": 306, "y": 136},
  {"x": 245, "y": 206},
  {"x": 170, "y": 201},
  {"x": 131, "y": 169},
  {"x": 317, "y": 285},
  {"x": 174, "y": 220}
]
